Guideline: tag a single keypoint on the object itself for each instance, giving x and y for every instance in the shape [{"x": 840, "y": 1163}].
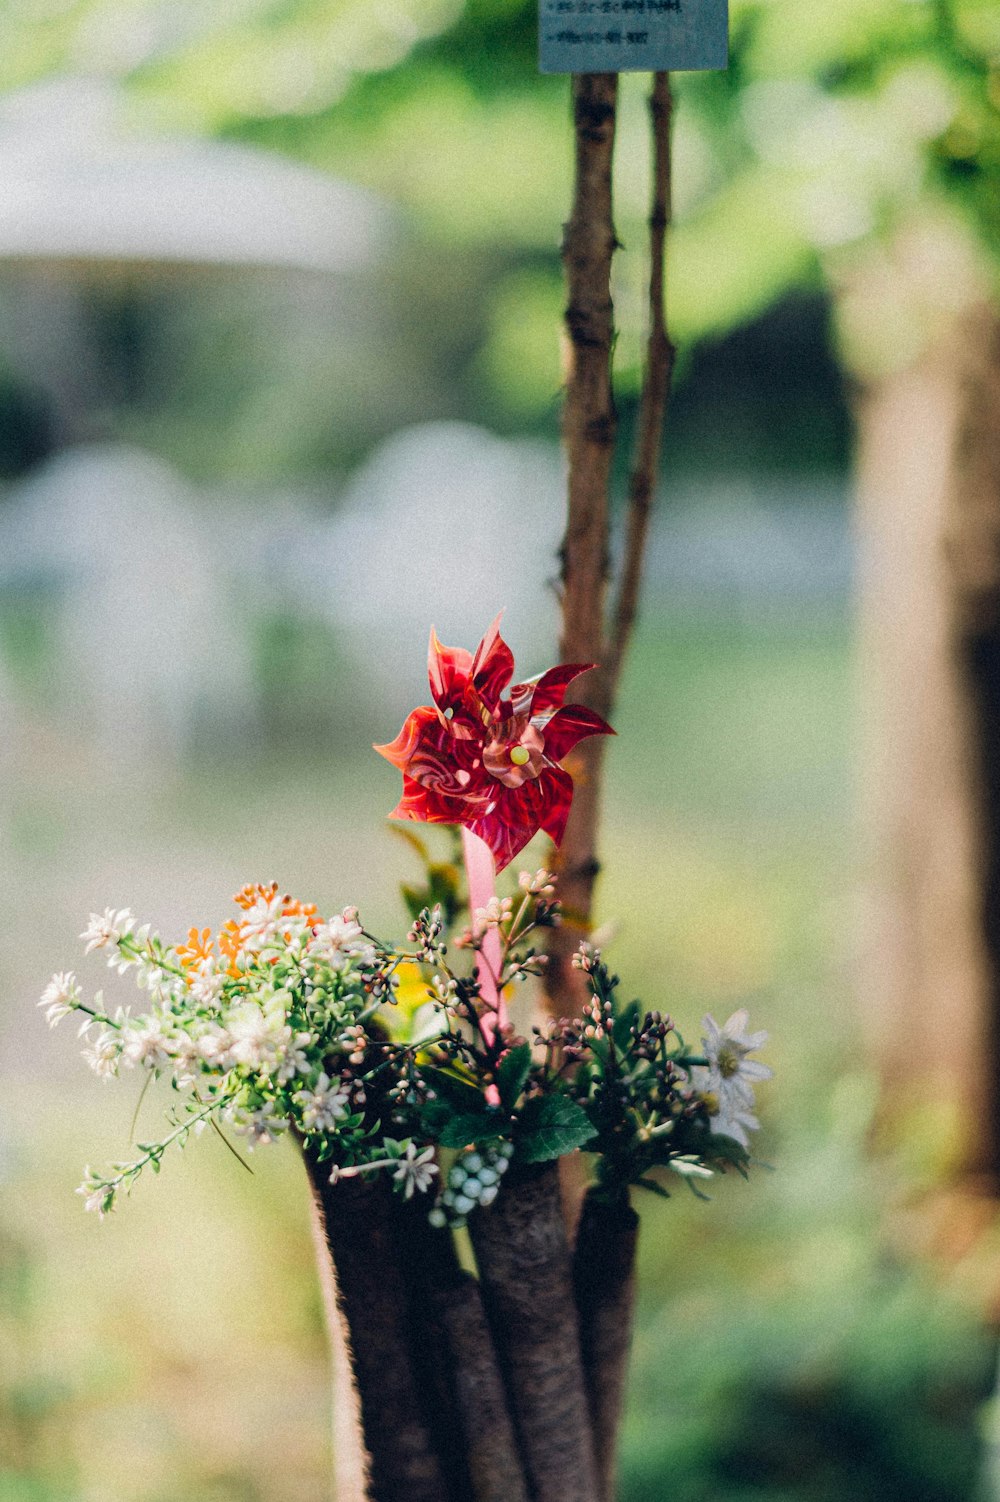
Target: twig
[
  {"x": 655, "y": 391},
  {"x": 604, "y": 1281},
  {"x": 525, "y": 1271},
  {"x": 589, "y": 427},
  {"x": 589, "y": 432}
]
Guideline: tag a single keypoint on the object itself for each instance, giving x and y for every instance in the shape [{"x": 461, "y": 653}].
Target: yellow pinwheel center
[{"x": 520, "y": 756}]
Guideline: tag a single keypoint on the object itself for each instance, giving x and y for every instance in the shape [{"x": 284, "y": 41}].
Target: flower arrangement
[{"x": 421, "y": 1109}]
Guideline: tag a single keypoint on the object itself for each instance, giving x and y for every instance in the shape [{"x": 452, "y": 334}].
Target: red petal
[
  {"x": 448, "y": 670},
  {"x": 548, "y": 690},
  {"x": 554, "y": 796},
  {"x": 568, "y": 726},
  {"x": 492, "y": 666},
  {"x": 506, "y": 830},
  {"x": 427, "y": 805},
  {"x": 402, "y": 748}
]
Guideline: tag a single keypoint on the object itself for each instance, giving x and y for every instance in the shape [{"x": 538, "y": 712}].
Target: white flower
[
  {"x": 122, "y": 960},
  {"x": 726, "y": 1048},
  {"x": 415, "y": 1170},
  {"x": 296, "y": 1060},
  {"x": 323, "y": 1105},
  {"x": 341, "y": 939},
  {"x": 215, "y": 1047},
  {"x": 102, "y": 1055},
  {"x": 260, "y": 1127},
  {"x": 263, "y": 923},
  {"x": 734, "y": 1121},
  {"x": 147, "y": 1044},
  {"x": 259, "y": 1039},
  {"x": 728, "y": 1117},
  {"x": 98, "y": 1196},
  {"x": 539, "y": 885},
  {"x": 106, "y": 928},
  {"x": 206, "y": 982},
  {"x": 60, "y": 996},
  {"x": 498, "y": 910}
]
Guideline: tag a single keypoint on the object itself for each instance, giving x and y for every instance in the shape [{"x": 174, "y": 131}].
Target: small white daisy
[
  {"x": 60, "y": 996},
  {"x": 260, "y": 1127},
  {"x": 415, "y": 1170},
  {"x": 106, "y": 928},
  {"x": 726, "y": 1048},
  {"x": 341, "y": 939},
  {"x": 103, "y": 1053},
  {"x": 323, "y": 1105}
]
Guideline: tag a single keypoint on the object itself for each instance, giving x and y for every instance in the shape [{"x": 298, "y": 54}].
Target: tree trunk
[
  {"x": 604, "y": 1281},
  {"x": 350, "y": 1458},
  {"x": 929, "y": 518},
  {"x": 526, "y": 1276},
  {"x": 360, "y": 1235}
]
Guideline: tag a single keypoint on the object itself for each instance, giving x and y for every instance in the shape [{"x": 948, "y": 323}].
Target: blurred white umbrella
[{"x": 79, "y": 182}]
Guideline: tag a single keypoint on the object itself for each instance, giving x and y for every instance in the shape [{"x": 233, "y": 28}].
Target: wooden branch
[
  {"x": 589, "y": 432},
  {"x": 457, "y": 1365},
  {"x": 526, "y": 1275},
  {"x": 655, "y": 392},
  {"x": 604, "y": 1283},
  {"x": 359, "y": 1232},
  {"x": 589, "y": 427}
]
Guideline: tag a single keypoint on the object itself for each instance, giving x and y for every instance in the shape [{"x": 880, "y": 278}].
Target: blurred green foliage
[{"x": 833, "y": 126}]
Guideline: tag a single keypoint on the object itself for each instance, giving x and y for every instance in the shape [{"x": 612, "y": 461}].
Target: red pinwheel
[{"x": 489, "y": 759}]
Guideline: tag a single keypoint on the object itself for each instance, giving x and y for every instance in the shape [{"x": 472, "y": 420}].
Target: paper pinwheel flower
[{"x": 487, "y": 757}]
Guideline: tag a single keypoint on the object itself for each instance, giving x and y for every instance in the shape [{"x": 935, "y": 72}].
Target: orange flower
[
  {"x": 291, "y": 907},
  {"x": 199, "y": 947},
  {"x": 254, "y": 893},
  {"x": 230, "y": 944}
]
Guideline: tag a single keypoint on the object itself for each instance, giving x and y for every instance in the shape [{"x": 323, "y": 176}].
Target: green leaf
[
  {"x": 549, "y": 1127},
  {"x": 461, "y": 1093},
  {"x": 435, "y": 1116},
  {"x": 512, "y": 1075},
  {"x": 474, "y": 1127},
  {"x": 412, "y": 839},
  {"x": 415, "y": 899}
]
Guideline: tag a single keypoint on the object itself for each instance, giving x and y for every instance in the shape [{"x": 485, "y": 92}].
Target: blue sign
[{"x": 633, "y": 36}]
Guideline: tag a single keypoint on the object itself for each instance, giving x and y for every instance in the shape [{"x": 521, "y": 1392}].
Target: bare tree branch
[
  {"x": 655, "y": 391},
  {"x": 589, "y": 427}
]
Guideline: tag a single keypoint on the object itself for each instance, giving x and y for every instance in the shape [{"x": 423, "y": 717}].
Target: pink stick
[{"x": 482, "y": 886}]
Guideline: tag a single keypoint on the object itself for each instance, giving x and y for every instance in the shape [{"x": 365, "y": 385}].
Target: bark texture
[
  {"x": 604, "y": 1283},
  {"x": 457, "y": 1366},
  {"x": 972, "y": 556},
  {"x": 929, "y": 520},
  {"x": 589, "y": 429},
  {"x": 360, "y": 1234},
  {"x": 526, "y": 1275},
  {"x": 350, "y": 1458},
  {"x": 659, "y": 368}
]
